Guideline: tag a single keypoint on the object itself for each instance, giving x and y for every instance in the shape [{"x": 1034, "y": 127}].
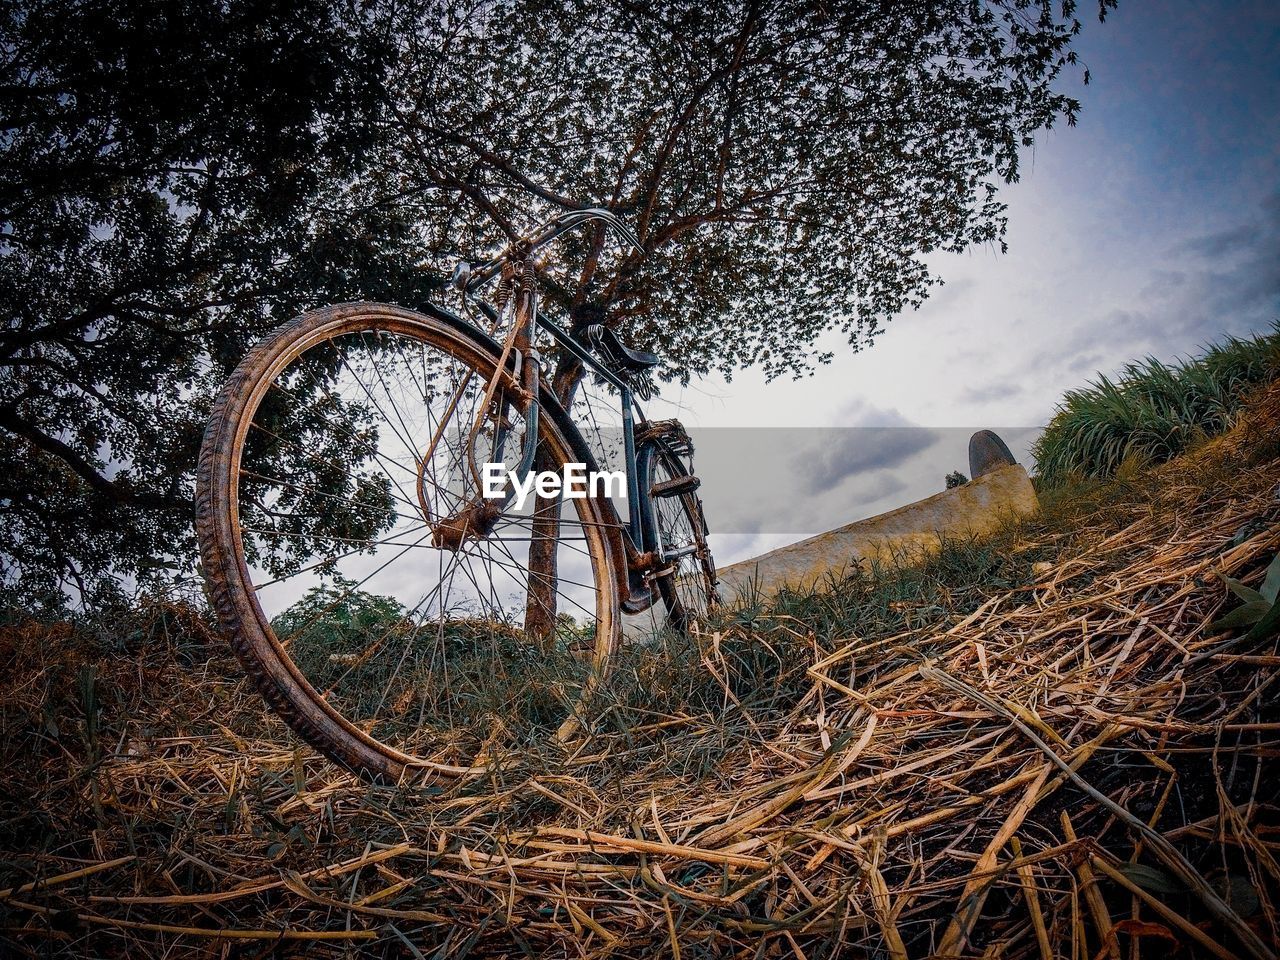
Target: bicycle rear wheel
[
  {"x": 687, "y": 583},
  {"x": 385, "y": 613}
]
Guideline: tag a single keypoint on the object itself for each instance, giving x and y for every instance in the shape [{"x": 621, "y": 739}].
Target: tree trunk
[{"x": 540, "y": 607}]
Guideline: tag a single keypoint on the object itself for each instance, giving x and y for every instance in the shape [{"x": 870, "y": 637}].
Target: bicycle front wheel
[{"x": 394, "y": 618}]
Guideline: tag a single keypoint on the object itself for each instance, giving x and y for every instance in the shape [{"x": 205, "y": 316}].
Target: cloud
[
  {"x": 880, "y": 485},
  {"x": 1241, "y": 265},
  {"x": 999, "y": 390},
  {"x": 859, "y": 450},
  {"x": 1148, "y": 230},
  {"x": 859, "y": 413},
  {"x": 1224, "y": 241}
]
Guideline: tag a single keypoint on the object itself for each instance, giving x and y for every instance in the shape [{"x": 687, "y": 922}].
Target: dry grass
[{"x": 1069, "y": 767}]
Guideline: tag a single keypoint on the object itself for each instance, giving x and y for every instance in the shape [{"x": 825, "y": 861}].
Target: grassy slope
[
  {"x": 1153, "y": 411},
  {"x": 832, "y": 795}
]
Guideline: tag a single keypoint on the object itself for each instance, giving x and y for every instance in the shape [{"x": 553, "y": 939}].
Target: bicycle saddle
[{"x": 606, "y": 342}]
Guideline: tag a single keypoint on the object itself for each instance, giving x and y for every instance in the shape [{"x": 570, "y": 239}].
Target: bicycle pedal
[{"x": 675, "y": 486}]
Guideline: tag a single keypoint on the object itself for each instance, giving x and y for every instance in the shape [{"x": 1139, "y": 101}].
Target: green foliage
[
  {"x": 787, "y": 166},
  {"x": 1153, "y": 411},
  {"x": 465, "y": 678},
  {"x": 748, "y": 666},
  {"x": 335, "y": 616},
  {"x": 176, "y": 183},
  {"x": 411, "y": 672},
  {"x": 956, "y": 479},
  {"x": 886, "y": 598},
  {"x": 1260, "y": 611},
  {"x": 182, "y": 176}
]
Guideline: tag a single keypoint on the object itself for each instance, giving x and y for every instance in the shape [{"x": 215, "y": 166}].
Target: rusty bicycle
[{"x": 348, "y": 454}]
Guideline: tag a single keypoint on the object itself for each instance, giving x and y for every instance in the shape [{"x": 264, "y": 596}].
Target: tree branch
[{"x": 16, "y": 425}]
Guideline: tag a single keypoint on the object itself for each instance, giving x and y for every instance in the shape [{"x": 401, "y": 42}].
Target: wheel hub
[{"x": 474, "y": 521}]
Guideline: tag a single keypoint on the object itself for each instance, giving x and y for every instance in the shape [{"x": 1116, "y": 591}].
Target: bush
[
  {"x": 414, "y": 672},
  {"x": 1153, "y": 411}
]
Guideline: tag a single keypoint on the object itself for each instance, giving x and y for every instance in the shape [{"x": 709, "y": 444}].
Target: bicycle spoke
[
  {"x": 403, "y": 498},
  {"x": 408, "y": 434},
  {"x": 384, "y": 543},
  {"x": 559, "y": 578},
  {"x": 408, "y": 444},
  {"x": 314, "y": 491},
  {"x": 346, "y": 593},
  {"x": 343, "y": 431},
  {"x": 364, "y": 656},
  {"x": 395, "y": 673},
  {"x": 515, "y": 564}
]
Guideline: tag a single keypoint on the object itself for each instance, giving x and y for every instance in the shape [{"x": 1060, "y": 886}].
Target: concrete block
[{"x": 978, "y": 507}]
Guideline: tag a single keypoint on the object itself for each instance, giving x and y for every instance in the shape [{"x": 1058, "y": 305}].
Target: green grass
[
  {"x": 746, "y": 669},
  {"x": 134, "y": 731},
  {"x": 1152, "y": 411},
  {"x": 375, "y": 660}
]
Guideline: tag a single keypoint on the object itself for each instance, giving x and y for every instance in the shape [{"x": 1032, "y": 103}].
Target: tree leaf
[
  {"x": 156, "y": 563},
  {"x": 1243, "y": 616},
  {"x": 1271, "y": 585},
  {"x": 1267, "y": 626},
  {"x": 281, "y": 201},
  {"x": 1151, "y": 879},
  {"x": 1247, "y": 594}
]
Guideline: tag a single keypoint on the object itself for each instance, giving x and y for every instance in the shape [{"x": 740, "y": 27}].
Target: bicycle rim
[
  {"x": 355, "y": 586},
  {"x": 688, "y": 589}
]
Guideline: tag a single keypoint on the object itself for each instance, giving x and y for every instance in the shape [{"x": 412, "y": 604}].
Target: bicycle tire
[
  {"x": 286, "y": 690},
  {"x": 688, "y": 588}
]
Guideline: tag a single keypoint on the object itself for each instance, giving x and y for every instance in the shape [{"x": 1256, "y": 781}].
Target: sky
[{"x": 1149, "y": 228}]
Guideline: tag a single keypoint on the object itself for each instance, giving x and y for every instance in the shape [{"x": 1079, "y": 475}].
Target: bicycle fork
[{"x": 477, "y": 516}]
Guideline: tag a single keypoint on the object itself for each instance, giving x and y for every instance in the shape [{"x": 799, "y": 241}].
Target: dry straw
[{"x": 1073, "y": 768}]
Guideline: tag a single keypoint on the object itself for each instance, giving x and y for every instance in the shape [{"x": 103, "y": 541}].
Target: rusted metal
[
  {"x": 475, "y": 521},
  {"x": 287, "y": 690},
  {"x": 629, "y": 570}
]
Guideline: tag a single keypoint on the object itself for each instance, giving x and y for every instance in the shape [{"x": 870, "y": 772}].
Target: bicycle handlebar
[{"x": 467, "y": 277}]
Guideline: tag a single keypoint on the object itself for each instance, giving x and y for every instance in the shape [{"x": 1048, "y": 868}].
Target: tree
[
  {"x": 788, "y": 165},
  {"x": 177, "y": 181},
  {"x": 181, "y": 176}
]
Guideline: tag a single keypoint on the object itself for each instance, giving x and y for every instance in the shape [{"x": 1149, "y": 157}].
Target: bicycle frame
[
  {"x": 634, "y": 527},
  {"x": 480, "y": 393},
  {"x": 639, "y": 546}
]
